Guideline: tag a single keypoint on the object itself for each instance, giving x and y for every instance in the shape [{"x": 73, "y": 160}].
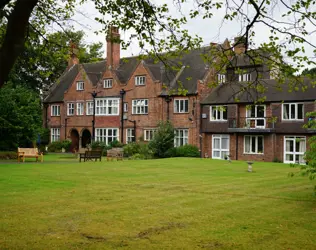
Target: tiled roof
[{"x": 233, "y": 93}]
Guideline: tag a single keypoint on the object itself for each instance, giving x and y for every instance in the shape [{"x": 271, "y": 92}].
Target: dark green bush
[
  {"x": 116, "y": 144},
  {"x": 66, "y": 145},
  {"x": 138, "y": 150},
  {"x": 55, "y": 146},
  {"x": 184, "y": 151},
  {"x": 131, "y": 149},
  {"x": 8, "y": 155},
  {"x": 98, "y": 145},
  {"x": 163, "y": 139}
]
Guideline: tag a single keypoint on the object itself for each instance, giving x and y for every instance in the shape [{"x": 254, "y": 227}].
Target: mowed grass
[{"x": 178, "y": 203}]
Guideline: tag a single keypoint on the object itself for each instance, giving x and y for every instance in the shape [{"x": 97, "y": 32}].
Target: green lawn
[{"x": 156, "y": 204}]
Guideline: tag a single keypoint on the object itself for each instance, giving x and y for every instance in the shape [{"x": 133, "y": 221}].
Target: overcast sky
[{"x": 211, "y": 30}]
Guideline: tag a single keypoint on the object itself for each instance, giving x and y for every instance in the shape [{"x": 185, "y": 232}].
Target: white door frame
[
  {"x": 294, "y": 145},
  {"x": 220, "y": 146}
]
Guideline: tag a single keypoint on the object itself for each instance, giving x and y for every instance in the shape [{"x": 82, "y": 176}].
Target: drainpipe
[
  {"x": 238, "y": 114},
  {"x": 66, "y": 119},
  {"x": 168, "y": 100},
  {"x": 94, "y": 95},
  {"x": 122, "y": 93}
]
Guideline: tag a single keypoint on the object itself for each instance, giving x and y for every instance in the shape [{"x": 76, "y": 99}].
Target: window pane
[
  {"x": 292, "y": 110},
  {"x": 286, "y": 112},
  {"x": 260, "y": 144},
  {"x": 260, "y": 111},
  {"x": 247, "y": 144},
  {"x": 253, "y": 144},
  {"x": 216, "y": 142},
  {"x": 225, "y": 113},
  {"x": 225, "y": 143},
  {"x": 300, "y": 111}
]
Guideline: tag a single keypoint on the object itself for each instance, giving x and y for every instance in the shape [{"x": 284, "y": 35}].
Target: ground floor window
[
  {"x": 253, "y": 144},
  {"x": 220, "y": 146},
  {"x": 181, "y": 137},
  {"x": 106, "y": 135},
  {"x": 130, "y": 135},
  {"x": 294, "y": 149},
  {"x": 149, "y": 134},
  {"x": 55, "y": 134}
]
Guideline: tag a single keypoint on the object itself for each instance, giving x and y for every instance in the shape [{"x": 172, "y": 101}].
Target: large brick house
[
  {"x": 271, "y": 130},
  {"x": 131, "y": 97}
]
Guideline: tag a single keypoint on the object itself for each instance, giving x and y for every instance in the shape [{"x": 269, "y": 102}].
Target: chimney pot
[{"x": 113, "y": 48}]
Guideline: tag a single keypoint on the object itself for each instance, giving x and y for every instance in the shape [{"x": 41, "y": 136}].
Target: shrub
[
  {"x": 8, "y": 155},
  {"x": 66, "y": 145},
  {"x": 98, "y": 145},
  {"x": 131, "y": 149},
  {"x": 138, "y": 157},
  {"x": 163, "y": 139},
  {"x": 146, "y": 151},
  {"x": 55, "y": 146},
  {"x": 116, "y": 144},
  {"x": 277, "y": 160},
  {"x": 184, "y": 151}
]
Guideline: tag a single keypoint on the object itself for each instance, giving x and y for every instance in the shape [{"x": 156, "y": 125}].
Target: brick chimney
[
  {"x": 240, "y": 45},
  {"x": 113, "y": 48},
  {"x": 73, "y": 51}
]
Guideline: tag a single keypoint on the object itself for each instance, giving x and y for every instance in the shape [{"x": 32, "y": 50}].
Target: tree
[
  {"x": 20, "y": 117},
  {"x": 43, "y": 61},
  {"x": 163, "y": 139},
  {"x": 157, "y": 30}
]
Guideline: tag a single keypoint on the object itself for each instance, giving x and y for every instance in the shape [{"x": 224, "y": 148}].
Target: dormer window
[
  {"x": 140, "y": 80},
  {"x": 108, "y": 83},
  {"x": 221, "y": 78},
  {"x": 245, "y": 77},
  {"x": 80, "y": 86}
]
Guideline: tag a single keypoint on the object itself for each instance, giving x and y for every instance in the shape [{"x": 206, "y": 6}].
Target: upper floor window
[
  {"x": 55, "y": 110},
  {"x": 89, "y": 110},
  {"x": 140, "y": 80},
  {"x": 108, "y": 83},
  {"x": 107, "y": 106},
  {"x": 293, "y": 111},
  {"x": 218, "y": 113},
  {"x": 181, "y": 137},
  {"x": 149, "y": 134},
  {"x": 245, "y": 77},
  {"x": 55, "y": 134},
  {"x": 70, "y": 108},
  {"x": 181, "y": 106},
  {"x": 80, "y": 108},
  {"x": 256, "y": 116},
  {"x": 80, "y": 85},
  {"x": 140, "y": 106},
  {"x": 221, "y": 78}
]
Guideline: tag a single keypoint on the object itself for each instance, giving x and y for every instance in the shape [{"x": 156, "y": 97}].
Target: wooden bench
[
  {"x": 89, "y": 155},
  {"x": 29, "y": 153},
  {"x": 114, "y": 153}
]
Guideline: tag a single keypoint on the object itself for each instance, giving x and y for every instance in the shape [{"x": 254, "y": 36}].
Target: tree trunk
[{"x": 14, "y": 39}]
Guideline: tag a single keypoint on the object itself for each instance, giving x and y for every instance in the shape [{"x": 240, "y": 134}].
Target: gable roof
[
  {"x": 194, "y": 69},
  {"x": 227, "y": 93}
]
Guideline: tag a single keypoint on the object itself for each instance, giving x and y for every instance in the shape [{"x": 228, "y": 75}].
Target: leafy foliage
[
  {"x": 20, "y": 117},
  {"x": 8, "y": 155},
  {"x": 139, "y": 150},
  {"x": 163, "y": 139},
  {"x": 57, "y": 146},
  {"x": 184, "y": 151}
]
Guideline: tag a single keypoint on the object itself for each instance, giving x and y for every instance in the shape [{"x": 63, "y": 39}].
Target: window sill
[
  {"x": 218, "y": 121},
  {"x": 253, "y": 153},
  {"x": 292, "y": 120},
  {"x": 180, "y": 113},
  {"x": 140, "y": 114},
  {"x": 107, "y": 115},
  {"x": 140, "y": 85}
]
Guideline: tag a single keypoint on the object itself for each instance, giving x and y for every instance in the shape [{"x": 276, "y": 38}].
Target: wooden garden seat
[
  {"x": 114, "y": 153},
  {"x": 29, "y": 153}
]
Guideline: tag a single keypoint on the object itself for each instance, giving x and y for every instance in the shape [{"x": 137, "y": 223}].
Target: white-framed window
[
  {"x": 220, "y": 146},
  {"x": 107, "y": 106},
  {"x": 80, "y": 108},
  {"x": 245, "y": 77},
  {"x": 140, "y": 80},
  {"x": 125, "y": 107},
  {"x": 256, "y": 116},
  {"x": 218, "y": 113},
  {"x": 294, "y": 149},
  {"x": 149, "y": 134},
  {"x": 89, "y": 108},
  {"x": 293, "y": 111},
  {"x": 130, "y": 135},
  {"x": 140, "y": 106},
  {"x": 108, "y": 83},
  {"x": 181, "y": 137},
  {"x": 70, "y": 108},
  {"x": 55, "y": 134},
  {"x": 107, "y": 135},
  {"x": 181, "y": 106},
  {"x": 253, "y": 144},
  {"x": 80, "y": 85},
  {"x": 55, "y": 110},
  {"x": 221, "y": 78}
]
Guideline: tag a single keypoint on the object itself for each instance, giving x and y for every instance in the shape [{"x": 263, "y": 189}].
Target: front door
[
  {"x": 220, "y": 146},
  {"x": 294, "y": 149}
]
